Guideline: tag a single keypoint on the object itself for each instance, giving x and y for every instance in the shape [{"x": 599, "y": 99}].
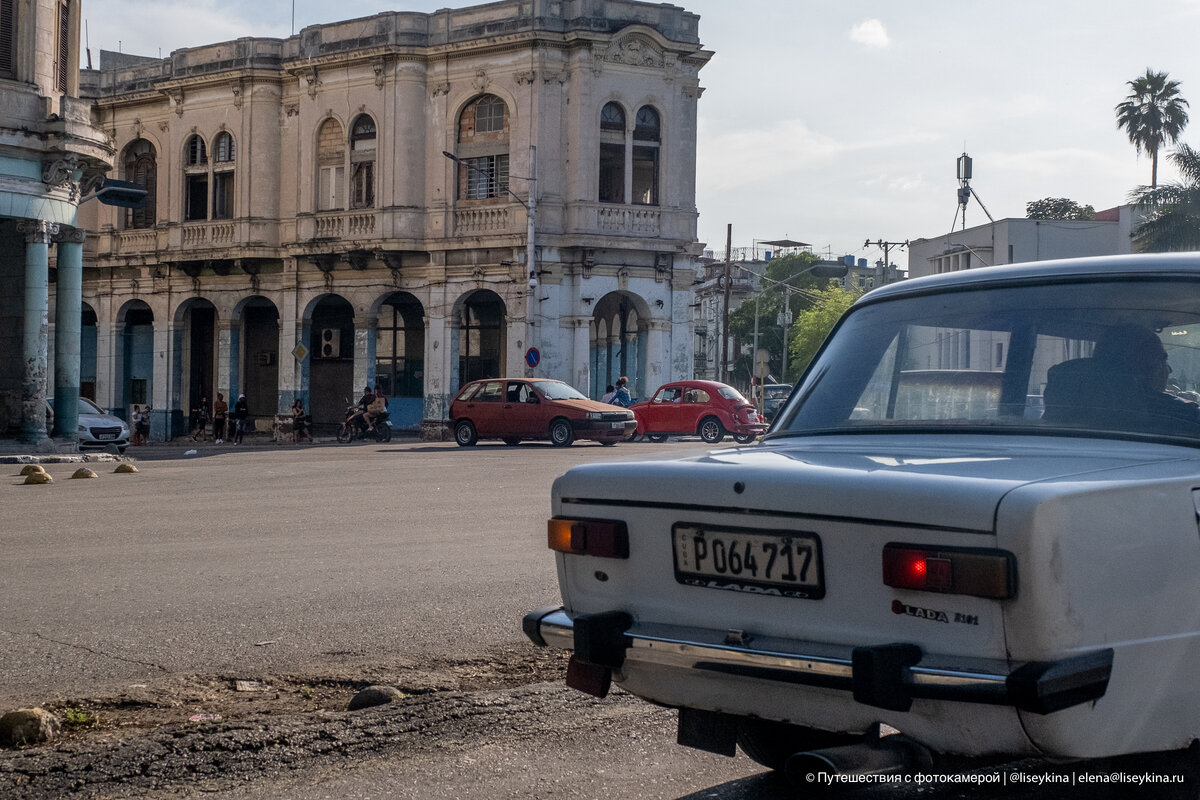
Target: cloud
[{"x": 870, "y": 33}]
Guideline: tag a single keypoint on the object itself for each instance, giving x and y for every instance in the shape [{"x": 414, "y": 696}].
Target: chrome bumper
[{"x": 887, "y": 676}]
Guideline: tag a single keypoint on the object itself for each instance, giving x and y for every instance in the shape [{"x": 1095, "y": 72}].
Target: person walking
[
  {"x": 200, "y": 421},
  {"x": 301, "y": 422},
  {"x": 144, "y": 425},
  {"x": 220, "y": 413},
  {"x": 135, "y": 426},
  {"x": 241, "y": 412}
]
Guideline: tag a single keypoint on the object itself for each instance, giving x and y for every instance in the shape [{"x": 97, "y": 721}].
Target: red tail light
[
  {"x": 605, "y": 538},
  {"x": 973, "y": 571}
]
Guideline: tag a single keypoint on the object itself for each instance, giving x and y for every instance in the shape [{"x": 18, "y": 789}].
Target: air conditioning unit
[{"x": 330, "y": 345}]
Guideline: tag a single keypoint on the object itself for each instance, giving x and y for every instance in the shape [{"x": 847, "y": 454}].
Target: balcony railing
[
  {"x": 344, "y": 225},
  {"x": 491, "y": 219},
  {"x": 620, "y": 219},
  {"x": 208, "y": 234}
]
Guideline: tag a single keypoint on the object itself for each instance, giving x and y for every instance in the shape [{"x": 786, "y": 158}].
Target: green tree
[
  {"x": 814, "y": 324},
  {"x": 1170, "y": 213},
  {"x": 1058, "y": 208},
  {"x": 1152, "y": 115}
]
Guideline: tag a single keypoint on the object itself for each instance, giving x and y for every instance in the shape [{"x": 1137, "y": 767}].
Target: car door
[
  {"x": 519, "y": 417},
  {"x": 695, "y": 405},
  {"x": 484, "y": 409},
  {"x": 656, "y": 415}
]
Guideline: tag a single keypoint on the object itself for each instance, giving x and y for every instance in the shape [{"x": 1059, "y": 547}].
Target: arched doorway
[
  {"x": 619, "y": 327},
  {"x": 400, "y": 358},
  {"x": 135, "y": 325},
  {"x": 259, "y": 357},
  {"x": 481, "y": 326},
  {"x": 331, "y": 370},
  {"x": 196, "y": 328}
]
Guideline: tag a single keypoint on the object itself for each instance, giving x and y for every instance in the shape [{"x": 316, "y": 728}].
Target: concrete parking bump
[
  {"x": 125, "y": 467},
  {"x": 31, "y": 468},
  {"x": 375, "y": 696},
  {"x": 28, "y": 726},
  {"x": 84, "y": 472},
  {"x": 36, "y": 478}
]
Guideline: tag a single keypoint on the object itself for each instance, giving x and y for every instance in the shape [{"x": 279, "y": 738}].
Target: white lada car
[{"x": 974, "y": 523}]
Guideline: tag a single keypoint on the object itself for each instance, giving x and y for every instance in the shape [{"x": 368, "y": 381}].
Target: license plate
[
  {"x": 616, "y": 425},
  {"x": 107, "y": 436},
  {"x": 779, "y": 563}
]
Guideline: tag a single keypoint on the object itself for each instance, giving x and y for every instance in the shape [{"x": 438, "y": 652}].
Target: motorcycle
[{"x": 355, "y": 427}]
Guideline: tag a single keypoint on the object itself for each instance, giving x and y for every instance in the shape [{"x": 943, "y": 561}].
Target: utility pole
[
  {"x": 722, "y": 372},
  {"x": 886, "y": 247}
]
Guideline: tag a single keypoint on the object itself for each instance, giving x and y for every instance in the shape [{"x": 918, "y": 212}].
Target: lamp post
[{"x": 530, "y": 230}]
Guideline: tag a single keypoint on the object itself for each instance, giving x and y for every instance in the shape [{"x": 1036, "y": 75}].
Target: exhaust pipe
[{"x": 886, "y": 755}]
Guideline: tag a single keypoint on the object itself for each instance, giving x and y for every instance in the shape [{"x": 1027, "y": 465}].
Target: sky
[{"x": 840, "y": 123}]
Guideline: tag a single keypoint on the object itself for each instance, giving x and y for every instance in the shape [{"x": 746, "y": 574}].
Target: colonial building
[
  {"x": 51, "y": 154},
  {"x": 409, "y": 200}
]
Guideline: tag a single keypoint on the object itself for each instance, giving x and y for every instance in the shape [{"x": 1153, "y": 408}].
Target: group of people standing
[
  {"x": 618, "y": 395},
  {"x": 219, "y": 418}
]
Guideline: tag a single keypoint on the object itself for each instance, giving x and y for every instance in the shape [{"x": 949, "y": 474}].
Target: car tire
[
  {"x": 511, "y": 440},
  {"x": 464, "y": 433},
  {"x": 561, "y": 433},
  {"x": 344, "y": 433},
  {"x": 773, "y": 743},
  {"x": 711, "y": 430},
  {"x": 657, "y": 438},
  {"x": 745, "y": 438}
]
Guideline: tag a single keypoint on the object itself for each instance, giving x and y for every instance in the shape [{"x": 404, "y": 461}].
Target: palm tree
[
  {"x": 1170, "y": 213},
  {"x": 1152, "y": 115}
]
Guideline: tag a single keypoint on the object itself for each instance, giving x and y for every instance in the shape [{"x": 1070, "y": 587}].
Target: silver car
[{"x": 97, "y": 428}]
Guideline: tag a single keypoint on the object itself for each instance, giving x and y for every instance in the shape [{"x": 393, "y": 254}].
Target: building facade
[
  {"x": 351, "y": 206},
  {"x": 51, "y": 154}
]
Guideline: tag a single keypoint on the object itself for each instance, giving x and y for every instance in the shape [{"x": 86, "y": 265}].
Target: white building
[{"x": 306, "y": 234}]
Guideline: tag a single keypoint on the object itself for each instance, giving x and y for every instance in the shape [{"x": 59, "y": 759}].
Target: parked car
[
  {"x": 774, "y": 396},
  {"x": 705, "y": 408},
  {"x": 97, "y": 428},
  {"x": 513, "y": 409},
  {"x": 916, "y": 545}
]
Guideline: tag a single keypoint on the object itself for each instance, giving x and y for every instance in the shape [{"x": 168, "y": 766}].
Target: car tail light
[
  {"x": 605, "y": 538},
  {"x": 973, "y": 571}
]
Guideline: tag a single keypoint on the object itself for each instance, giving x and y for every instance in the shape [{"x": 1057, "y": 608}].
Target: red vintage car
[
  {"x": 705, "y": 408},
  {"x": 513, "y": 409}
]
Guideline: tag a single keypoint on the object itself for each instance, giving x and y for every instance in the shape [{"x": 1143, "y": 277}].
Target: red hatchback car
[
  {"x": 707, "y": 408},
  {"x": 513, "y": 409}
]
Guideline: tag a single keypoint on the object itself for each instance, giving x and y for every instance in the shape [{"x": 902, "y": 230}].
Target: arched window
[
  {"x": 140, "y": 167},
  {"x": 195, "y": 178},
  {"x": 362, "y": 162},
  {"x": 612, "y": 153},
  {"x": 331, "y": 166},
  {"x": 646, "y": 140},
  {"x": 222, "y": 191},
  {"x": 483, "y": 148}
]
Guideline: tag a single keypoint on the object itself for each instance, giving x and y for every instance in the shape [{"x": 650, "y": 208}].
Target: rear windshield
[{"x": 1111, "y": 357}]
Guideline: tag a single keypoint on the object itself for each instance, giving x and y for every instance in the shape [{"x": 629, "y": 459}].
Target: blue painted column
[
  {"x": 38, "y": 234},
  {"x": 68, "y": 321}
]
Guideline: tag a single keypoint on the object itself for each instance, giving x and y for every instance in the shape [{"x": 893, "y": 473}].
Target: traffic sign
[{"x": 532, "y": 357}]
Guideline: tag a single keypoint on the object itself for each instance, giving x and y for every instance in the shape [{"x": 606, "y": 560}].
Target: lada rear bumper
[{"x": 887, "y": 676}]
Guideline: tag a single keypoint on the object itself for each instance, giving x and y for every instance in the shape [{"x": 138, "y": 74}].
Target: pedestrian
[
  {"x": 241, "y": 412},
  {"x": 200, "y": 421},
  {"x": 301, "y": 422},
  {"x": 608, "y": 394},
  {"x": 135, "y": 420},
  {"x": 144, "y": 426},
  {"x": 621, "y": 396},
  {"x": 220, "y": 413}
]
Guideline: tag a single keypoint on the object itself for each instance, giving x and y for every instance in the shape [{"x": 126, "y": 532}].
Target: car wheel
[
  {"x": 745, "y": 438},
  {"x": 511, "y": 440},
  {"x": 561, "y": 433},
  {"x": 711, "y": 430},
  {"x": 657, "y": 438},
  {"x": 464, "y": 433},
  {"x": 344, "y": 433},
  {"x": 773, "y": 743}
]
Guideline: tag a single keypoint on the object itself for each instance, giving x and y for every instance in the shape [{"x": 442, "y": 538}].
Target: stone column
[
  {"x": 364, "y": 352},
  {"x": 68, "y": 311},
  {"x": 581, "y": 367},
  {"x": 164, "y": 383},
  {"x": 38, "y": 234},
  {"x": 656, "y": 372}
]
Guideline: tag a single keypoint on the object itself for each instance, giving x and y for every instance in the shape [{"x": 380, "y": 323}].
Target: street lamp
[{"x": 530, "y": 228}]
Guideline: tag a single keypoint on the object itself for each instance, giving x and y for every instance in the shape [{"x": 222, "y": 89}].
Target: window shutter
[
  {"x": 64, "y": 44},
  {"x": 8, "y": 19}
]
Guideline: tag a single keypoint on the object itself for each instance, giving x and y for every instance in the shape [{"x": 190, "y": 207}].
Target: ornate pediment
[{"x": 635, "y": 50}]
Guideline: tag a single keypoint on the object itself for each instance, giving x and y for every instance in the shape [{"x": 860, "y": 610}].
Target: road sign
[
  {"x": 532, "y": 357},
  {"x": 299, "y": 351}
]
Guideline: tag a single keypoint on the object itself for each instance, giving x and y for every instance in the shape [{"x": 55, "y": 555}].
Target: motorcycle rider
[
  {"x": 358, "y": 421},
  {"x": 376, "y": 409}
]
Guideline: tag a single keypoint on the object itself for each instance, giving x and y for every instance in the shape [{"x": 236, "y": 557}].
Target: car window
[
  {"x": 1117, "y": 357},
  {"x": 669, "y": 394},
  {"x": 88, "y": 407},
  {"x": 696, "y": 396},
  {"x": 518, "y": 392},
  {"x": 469, "y": 391},
  {"x": 557, "y": 390},
  {"x": 490, "y": 392},
  {"x": 730, "y": 393}
]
